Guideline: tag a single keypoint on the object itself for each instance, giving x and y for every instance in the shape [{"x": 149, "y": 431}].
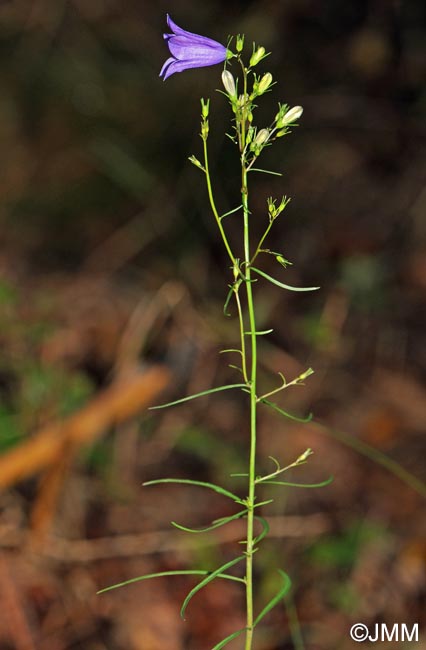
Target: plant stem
[{"x": 253, "y": 408}]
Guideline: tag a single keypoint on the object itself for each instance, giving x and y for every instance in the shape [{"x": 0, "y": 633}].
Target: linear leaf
[
  {"x": 264, "y": 532},
  {"x": 153, "y": 575},
  {"x": 195, "y": 395},
  {"x": 260, "y": 332},
  {"x": 278, "y": 596},
  {"x": 207, "y": 579},
  {"x": 227, "y": 301},
  {"x": 229, "y": 638},
  {"x": 187, "y": 481},
  {"x": 215, "y": 524},
  {"x": 231, "y": 211},
  {"x": 301, "y": 485},
  {"x": 281, "y": 284},
  {"x": 265, "y": 171},
  {"x": 277, "y": 408}
]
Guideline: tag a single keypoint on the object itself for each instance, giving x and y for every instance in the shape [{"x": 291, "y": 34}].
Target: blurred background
[{"x": 112, "y": 283}]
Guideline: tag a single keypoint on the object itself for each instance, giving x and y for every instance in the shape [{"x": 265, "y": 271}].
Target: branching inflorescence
[{"x": 191, "y": 51}]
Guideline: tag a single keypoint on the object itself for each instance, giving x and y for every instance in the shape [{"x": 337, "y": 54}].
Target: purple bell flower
[{"x": 190, "y": 51}]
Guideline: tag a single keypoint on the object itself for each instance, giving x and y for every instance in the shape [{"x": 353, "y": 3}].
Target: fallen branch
[{"x": 122, "y": 400}]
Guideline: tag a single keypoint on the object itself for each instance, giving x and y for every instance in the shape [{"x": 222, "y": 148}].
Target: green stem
[
  {"x": 213, "y": 204},
  {"x": 253, "y": 399}
]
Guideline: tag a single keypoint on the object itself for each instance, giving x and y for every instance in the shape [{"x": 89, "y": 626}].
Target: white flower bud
[
  {"x": 291, "y": 116},
  {"x": 229, "y": 83},
  {"x": 257, "y": 56},
  {"x": 261, "y": 137},
  {"x": 264, "y": 83}
]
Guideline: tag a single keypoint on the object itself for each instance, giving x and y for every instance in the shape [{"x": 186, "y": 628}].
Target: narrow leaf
[
  {"x": 275, "y": 600},
  {"x": 229, "y": 638},
  {"x": 195, "y": 395},
  {"x": 148, "y": 576},
  {"x": 301, "y": 485},
  {"x": 281, "y": 284},
  {"x": 215, "y": 524},
  {"x": 227, "y": 301},
  {"x": 265, "y": 171},
  {"x": 207, "y": 579},
  {"x": 260, "y": 332},
  {"x": 211, "y": 486},
  {"x": 264, "y": 532},
  {"x": 231, "y": 211},
  {"x": 296, "y": 418}
]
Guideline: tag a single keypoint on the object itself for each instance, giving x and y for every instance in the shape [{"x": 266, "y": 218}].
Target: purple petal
[
  {"x": 181, "y": 49},
  {"x": 166, "y": 66},
  {"x": 190, "y": 50},
  {"x": 173, "y": 65},
  {"x": 182, "y": 32}
]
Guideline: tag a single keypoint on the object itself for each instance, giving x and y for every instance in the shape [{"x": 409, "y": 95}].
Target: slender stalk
[
  {"x": 252, "y": 385},
  {"x": 213, "y": 204}
]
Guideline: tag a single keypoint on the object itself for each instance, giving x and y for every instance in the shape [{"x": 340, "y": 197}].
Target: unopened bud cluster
[
  {"x": 205, "y": 107},
  {"x": 274, "y": 210}
]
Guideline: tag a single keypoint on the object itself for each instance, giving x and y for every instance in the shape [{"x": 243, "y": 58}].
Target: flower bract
[{"x": 190, "y": 51}]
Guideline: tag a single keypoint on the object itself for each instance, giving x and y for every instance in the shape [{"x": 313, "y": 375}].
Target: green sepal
[
  {"x": 229, "y": 638},
  {"x": 215, "y": 574},
  {"x": 187, "y": 481},
  {"x": 275, "y": 600},
  {"x": 195, "y": 395},
  {"x": 281, "y": 284}
]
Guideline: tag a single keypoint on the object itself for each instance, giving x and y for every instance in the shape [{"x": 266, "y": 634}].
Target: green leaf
[
  {"x": 162, "y": 574},
  {"x": 153, "y": 575},
  {"x": 281, "y": 284},
  {"x": 231, "y": 211},
  {"x": 211, "y": 486},
  {"x": 308, "y": 418},
  {"x": 264, "y": 171},
  {"x": 275, "y": 600},
  {"x": 229, "y": 638},
  {"x": 227, "y": 301},
  {"x": 260, "y": 332},
  {"x": 264, "y": 532},
  {"x": 301, "y": 485},
  {"x": 215, "y": 574},
  {"x": 195, "y": 395},
  {"x": 217, "y": 523}
]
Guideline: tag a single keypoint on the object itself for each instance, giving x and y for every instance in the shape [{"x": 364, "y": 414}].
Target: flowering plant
[{"x": 187, "y": 51}]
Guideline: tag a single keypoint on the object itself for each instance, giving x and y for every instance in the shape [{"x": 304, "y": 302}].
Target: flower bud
[
  {"x": 264, "y": 83},
  {"x": 196, "y": 162},
  {"x": 240, "y": 42},
  {"x": 290, "y": 116},
  {"x": 229, "y": 83},
  {"x": 205, "y": 108},
  {"x": 257, "y": 56},
  {"x": 261, "y": 137}
]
